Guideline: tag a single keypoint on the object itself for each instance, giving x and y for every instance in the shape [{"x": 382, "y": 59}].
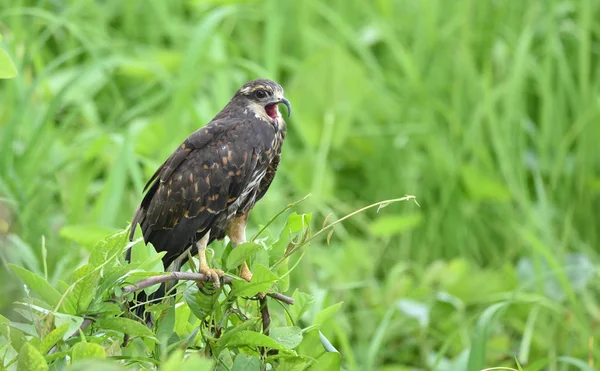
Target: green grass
[{"x": 487, "y": 111}]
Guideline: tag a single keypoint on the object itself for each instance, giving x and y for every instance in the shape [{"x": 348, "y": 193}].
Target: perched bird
[{"x": 207, "y": 187}]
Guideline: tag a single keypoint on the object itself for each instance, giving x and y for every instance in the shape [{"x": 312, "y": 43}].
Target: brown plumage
[{"x": 215, "y": 176}]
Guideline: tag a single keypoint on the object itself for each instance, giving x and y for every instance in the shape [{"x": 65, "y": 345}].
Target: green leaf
[
  {"x": 182, "y": 318},
  {"x": 7, "y": 67},
  {"x": 154, "y": 262},
  {"x": 43, "y": 289},
  {"x": 282, "y": 271},
  {"x": 53, "y": 337},
  {"x": 484, "y": 186},
  {"x": 261, "y": 258},
  {"x": 16, "y": 336},
  {"x": 112, "y": 247},
  {"x": 580, "y": 364},
  {"x": 326, "y": 343},
  {"x": 262, "y": 280},
  {"x": 223, "y": 341},
  {"x": 87, "y": 236},
  {"x": 126, "y": 326},
  {"x": 480, "y": 336},
  {"x": 73, "y": 322},
  {"x": 184, "y": 342},
  {"x": 289, "y": 337},
  {"x": 96, "y": 365},
  {"x": 84, "y": 290},
  {"x": 104, "y": 308},
  {"x": 242, "y": 253},
  {"x": 390, "y": 225},
  {"x": 30, "y": 359},
  {"x": 83, "y": 351},
  {"x": 225, "y": 360},
  {"x": 416, "y": 310},
  {"x": 244, "y": 362},
  {"x": 226, "y": 251},
  {"x": 173, "y": 363},
  {"x": 201, "y": 305},
  {"x": 302, "y": 302},
  {"x": 311, "y": 345},
  {"x": 191, "y": 363},
  {"x": 255, "y": 339},
  {"x": 166, "y": 325},
  {"x": 294, "y": 224},
  {"x": 327, "y": 313},
  {"x": 196, "y": 363},
  {"x": 292, "y": 364},
  {"x": 115, "y": 276},
  {"x": 327, "y": 362},
  {"x": 141, "y": 252}
]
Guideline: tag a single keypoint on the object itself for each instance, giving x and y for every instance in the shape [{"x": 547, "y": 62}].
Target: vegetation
[{"x": 486, "y": 111}]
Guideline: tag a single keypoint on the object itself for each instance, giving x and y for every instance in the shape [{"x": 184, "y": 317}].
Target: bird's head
[{"x": 263, "y": 96}]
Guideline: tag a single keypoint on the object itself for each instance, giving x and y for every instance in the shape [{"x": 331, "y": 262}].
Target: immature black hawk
[{"x": 207, "y": 187}]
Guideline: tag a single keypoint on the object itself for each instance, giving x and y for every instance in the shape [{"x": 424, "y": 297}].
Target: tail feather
[
  {"x": 172, "y": 261},
  {"x": 142, "y": 299}
]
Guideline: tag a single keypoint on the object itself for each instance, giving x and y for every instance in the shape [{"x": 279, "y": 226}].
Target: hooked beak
[{"x": 287, "y": 104}]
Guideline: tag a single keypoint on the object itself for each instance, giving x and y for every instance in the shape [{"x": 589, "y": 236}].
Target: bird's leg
[
  {"x": 214, "y": 274},
  {"x": 245, "y": 272},
  {"x": 237, "y": 235}
]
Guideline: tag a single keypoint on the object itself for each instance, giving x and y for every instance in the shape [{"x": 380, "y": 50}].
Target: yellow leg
[
  {"x": 237, "y": 233},
  {"x": 214, "y": 274},
  {"x": 245, "y": 272}
]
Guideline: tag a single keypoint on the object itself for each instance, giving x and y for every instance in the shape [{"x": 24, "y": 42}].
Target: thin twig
[
  {"x": 266, "y": 317},
  {"x": 282, "y": 298},
  {"x": 379, "y": 204},
  {"x": 307, "y": 237},
  {"x": 84, "y": 325},
  {"x": 289, "y": 206}
]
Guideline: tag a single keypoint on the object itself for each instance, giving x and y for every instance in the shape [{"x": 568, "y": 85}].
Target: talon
[
  {"x": 204, "y": 290},
  {"x": 215, "y": 275},
  {"x": 212, "y": 275}
]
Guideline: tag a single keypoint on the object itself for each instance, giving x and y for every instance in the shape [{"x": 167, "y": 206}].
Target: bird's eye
[{"x": 260, "y": 94}]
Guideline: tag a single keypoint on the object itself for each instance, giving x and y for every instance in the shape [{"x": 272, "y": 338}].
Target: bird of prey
[{"x": 206, "y": 188}]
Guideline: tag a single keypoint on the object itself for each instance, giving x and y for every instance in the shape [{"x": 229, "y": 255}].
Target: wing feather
[{"x": 196, "y": 185}]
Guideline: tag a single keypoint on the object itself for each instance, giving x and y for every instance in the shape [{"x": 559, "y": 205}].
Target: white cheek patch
[{"x": 257, "y": 110}]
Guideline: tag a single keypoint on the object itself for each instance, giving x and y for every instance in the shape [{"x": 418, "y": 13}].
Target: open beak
[{"x": 287, "y": 104}]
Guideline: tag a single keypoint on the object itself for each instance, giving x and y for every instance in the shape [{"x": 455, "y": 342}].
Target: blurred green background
[{"x": 487, "y": 111}]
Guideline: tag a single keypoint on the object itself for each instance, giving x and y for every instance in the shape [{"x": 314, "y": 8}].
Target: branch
[
  {"x": 264, "y": 312},
  {"x": 190, "y": 276},
  {"x": 282, "y": 298},
  {"x": 171, "y": 276}
]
